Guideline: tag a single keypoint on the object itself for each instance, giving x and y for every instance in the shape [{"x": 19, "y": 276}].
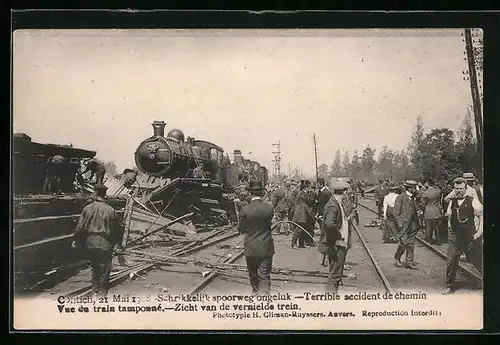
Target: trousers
[
  {"x": 390, "y": 226},
  {"x": 474, "y": 255},
  {"x": 100, "y": 262},
  {"x": 259, "y": 272},
  {"x": 336, "y": 261},
  {"x": 433, "y": 227},
  {"x": 299, "y": 234},
  {"x": 407, "y": 244}
]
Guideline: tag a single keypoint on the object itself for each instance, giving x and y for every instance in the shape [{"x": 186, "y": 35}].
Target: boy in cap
[
  {"x": 405, "y": 212},
  {"x": 255, "y": 224},
  {"x": 98, "y": 234}
]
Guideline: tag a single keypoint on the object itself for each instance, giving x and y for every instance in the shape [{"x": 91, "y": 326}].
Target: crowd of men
[{"x": 454, "y": 216}]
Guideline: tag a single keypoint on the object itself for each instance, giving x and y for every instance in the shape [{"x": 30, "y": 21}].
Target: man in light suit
[
  {"x": 405, "y": 212},
  {"x": 255, "y": 224},
  {"x": 431, "y": 199}
]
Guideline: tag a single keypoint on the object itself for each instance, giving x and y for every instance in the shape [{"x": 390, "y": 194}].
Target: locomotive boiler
[{"x": 174, "y": 156}]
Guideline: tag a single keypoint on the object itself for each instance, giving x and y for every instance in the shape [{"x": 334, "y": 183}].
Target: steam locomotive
[{"x": 175, "y": 156}]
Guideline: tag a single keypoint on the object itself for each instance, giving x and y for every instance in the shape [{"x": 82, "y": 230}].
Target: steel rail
[
  {"x": 463, "y": 269},
  {"x": 212, "y": 275},
  {"x": 119, "y": 276},
  {"x": 388, "y": 287}
]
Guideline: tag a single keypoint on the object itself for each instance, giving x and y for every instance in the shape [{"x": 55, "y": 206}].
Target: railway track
[
  {"x": 216, "y": 264},
  {"x": 466, "y": 271}
]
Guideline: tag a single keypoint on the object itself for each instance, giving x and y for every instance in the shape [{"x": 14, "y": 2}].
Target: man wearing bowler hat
[
  {"x": 98, "y": 234},
  {"x": 405, "y": 212},
  {"x": 255, "y": 225}
]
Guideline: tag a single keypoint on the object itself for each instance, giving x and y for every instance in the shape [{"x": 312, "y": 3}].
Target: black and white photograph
[{"x": 218, "y": 179}]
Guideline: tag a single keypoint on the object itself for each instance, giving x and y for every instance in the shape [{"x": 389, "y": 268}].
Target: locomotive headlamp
[{"x": 152, "y": 156}]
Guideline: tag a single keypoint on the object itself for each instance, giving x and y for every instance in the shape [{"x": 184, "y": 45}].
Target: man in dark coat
[
  {"x": 255, "y": 225},
  {"x": 98, "y": 234},
  {"x": 405, "y": 212},
  {"x": 334, "y": 239},
  {"x": 324, "y": 195},
  {"x": 302, "y": 215},
  {"x": 380, "y": 192}
]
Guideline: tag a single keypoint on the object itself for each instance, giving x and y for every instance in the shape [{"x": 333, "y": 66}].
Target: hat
[
  {"x": 393, "y": 186},
  {"x": 321, "y": 180},
  {"x": 256, "y": 185},
  {"x": 100, "y": 187},
  {"x": 410, "y": 183},
  {"x": 469, "y": 176},
  {"x": 340, "y": 186}
]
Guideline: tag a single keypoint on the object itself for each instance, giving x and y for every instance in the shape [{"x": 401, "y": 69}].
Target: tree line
[{"x": 437, "y": 153}]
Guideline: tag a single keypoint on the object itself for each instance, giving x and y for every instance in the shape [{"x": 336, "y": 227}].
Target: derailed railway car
[{"x": 44, "y": 220}]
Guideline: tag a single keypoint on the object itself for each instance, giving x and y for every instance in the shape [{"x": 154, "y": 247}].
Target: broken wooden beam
[
  {"x": 164, "y": 227},
  {"x": 215, "y": 265}
]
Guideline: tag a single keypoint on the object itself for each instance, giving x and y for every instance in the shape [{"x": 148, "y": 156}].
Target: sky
[{"x": 241, "y": 89}]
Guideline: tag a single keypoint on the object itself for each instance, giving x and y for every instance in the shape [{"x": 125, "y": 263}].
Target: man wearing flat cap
[
  {"x": 98, "y": 233},
  {"x": 405, "y": 212},
  {"x": 335, "y": 236},
  {"x": 465, "y": 236},
  {"x": 255, "y": 224}
]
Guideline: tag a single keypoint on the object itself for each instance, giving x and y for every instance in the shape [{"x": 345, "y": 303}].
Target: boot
[
  {"x": 397, "y": 263},
  {"x": 447, "y": 290}
]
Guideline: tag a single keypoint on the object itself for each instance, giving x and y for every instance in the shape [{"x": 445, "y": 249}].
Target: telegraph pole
[
  {"x": 315, "y": 156},
  {"x": 476, "y": 100},
  {"x": 277, "y": 159}
]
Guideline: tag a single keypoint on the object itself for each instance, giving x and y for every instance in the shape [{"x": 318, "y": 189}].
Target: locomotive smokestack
[
  {"x": 158, "y": 128},
  {"x": 238, "y": 157}
]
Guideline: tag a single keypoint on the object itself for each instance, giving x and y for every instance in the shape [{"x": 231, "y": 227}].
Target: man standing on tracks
[
  {"x": 335, "y": 236},
  {"x": 390, "y": 231},
  {"x": 96, "y": 168},
  {"x": 465, "y": 236},
  {"x": 302, "y": 214},
  {"x": 405, "y": 212},
  {"x": 380, "y": 193},
  {"x": 255, "y": 224},
  {"x": 98, "y": 234},
  {"x": 280, "y": 205},
  {"x": 431, "y": 200},
  {"x": 353, "y": 201}
]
